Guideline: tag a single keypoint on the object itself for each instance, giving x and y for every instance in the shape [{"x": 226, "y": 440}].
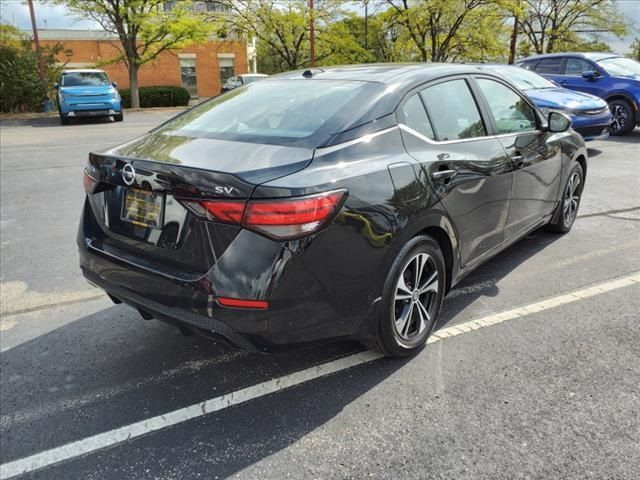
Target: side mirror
[
  {"x": 115, "y": 85},
  {"x": 558, "y": 122},
  {"x": 56, "y": 85},
  {"x": 589, "y": 75}
]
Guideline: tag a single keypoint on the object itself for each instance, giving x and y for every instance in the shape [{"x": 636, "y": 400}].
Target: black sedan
[{"x": 330, "y": 203}]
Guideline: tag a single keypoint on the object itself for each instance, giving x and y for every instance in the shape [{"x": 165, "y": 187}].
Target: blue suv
[
  {"x": 87, "y": 93},
  {"x": 609, "y": 76}
]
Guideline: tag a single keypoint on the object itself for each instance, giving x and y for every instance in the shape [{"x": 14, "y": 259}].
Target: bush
[
  {"x": 157, "y": 97},
  {"x": 20, "y": 87}
]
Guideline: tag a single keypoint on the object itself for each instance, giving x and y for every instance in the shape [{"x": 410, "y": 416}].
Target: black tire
[
  {"x": 623, "y": 117},
  {"x": 64, "y": 120},
  {"x": 118, "y": 117},
  {"x": 388, "y": 340},
  {"x": 568, "y": 208}
]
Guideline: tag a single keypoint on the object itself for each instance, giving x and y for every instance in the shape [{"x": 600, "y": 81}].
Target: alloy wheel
[
  {"x": 572, "y": 198},
  {"x": 620, "y": 117},
  {"x": 415, "y": 296}
]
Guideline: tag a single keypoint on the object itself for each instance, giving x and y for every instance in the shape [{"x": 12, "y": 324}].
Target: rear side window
[
  {"x": 510, "y": 111},
  {"x": 551, "y": 66},
  {"x": 529, "y": 65},
  {"x": 415, "y": 116},
  {"x": 575, "y": 66},
  {"x": 453, "y": 110}
]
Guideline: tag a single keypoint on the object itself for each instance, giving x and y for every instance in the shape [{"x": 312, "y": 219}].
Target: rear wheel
[
  {"x": 64, "y": 120},
  {"x": 568, "y": 208},
  {"x": 623, "y": 118},
  {"x": 412, "y": 299}
]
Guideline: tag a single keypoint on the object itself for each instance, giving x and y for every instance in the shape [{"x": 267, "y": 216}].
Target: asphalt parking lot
[{"x": 534, "y": 372}]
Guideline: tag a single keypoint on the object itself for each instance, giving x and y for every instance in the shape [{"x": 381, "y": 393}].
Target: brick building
[{"x": 201, "y": 69}]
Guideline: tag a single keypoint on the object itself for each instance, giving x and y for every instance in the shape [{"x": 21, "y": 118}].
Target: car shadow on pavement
[
  {"x": 111, "y": 368},
  {"x": 632, "y": 137},
  {"x": 483, "y": 281}
]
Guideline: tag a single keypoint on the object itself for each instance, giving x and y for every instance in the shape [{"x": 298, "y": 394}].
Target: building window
[
  {"x": 168, "y": 6},
  {"x": 227, "y": 69},
  {"x": 188, "y": 75}
]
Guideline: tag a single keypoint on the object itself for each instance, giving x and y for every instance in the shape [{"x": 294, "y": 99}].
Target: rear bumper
[{"x": 300, "y": 311}]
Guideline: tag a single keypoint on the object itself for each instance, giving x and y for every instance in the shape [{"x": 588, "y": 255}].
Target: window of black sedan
[{"x": 510, "y": 111}]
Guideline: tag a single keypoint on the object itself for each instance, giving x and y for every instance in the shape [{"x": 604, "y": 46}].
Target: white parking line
[{"x": 144, "y": 427}]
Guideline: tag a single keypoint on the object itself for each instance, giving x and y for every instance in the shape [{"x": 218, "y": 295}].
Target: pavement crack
[{"x": 609, "y": 212}]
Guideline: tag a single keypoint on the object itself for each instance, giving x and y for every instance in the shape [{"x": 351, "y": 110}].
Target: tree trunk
[{"x": 133, "y": 85}]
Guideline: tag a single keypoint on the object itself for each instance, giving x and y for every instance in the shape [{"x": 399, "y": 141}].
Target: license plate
[{"x": 143, "y": 208}]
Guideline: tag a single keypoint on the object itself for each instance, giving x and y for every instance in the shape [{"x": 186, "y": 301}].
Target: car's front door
[
  {"x": 468, "y": 168},
  {"x": 534, "y": 154},
  {"x": 572, "y": 77}
]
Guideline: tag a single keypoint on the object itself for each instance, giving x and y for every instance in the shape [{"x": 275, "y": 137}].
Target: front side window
[
  {"x": 551, "y": 66},
  {"x": 188, "y": 75},
  {"x": 84, "y": 79},
  {"x": 415, "y": 116},
  {"x": 510, "y": 111},
  {"x": 575, "y": 66},
  {"x": 453, "y": 110}
]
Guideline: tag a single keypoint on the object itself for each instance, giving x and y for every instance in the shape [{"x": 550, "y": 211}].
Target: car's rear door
[
  {"x": 534, "y": 154},
  {"x": 551, "y": 68},
  {"x": 467, "y": 167}
]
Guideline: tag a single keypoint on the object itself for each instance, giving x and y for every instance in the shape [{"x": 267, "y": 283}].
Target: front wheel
[
  {"x": 568, "y": 207},
  {"x": 118, "y": 117},
  {"x": 412, "y": 299},
  {"x": 623, "y": 117}
]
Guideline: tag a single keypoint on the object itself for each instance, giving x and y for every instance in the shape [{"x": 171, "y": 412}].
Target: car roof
[
  {"x": 253, "y": 75},
  {"x": 401, "y": 75},
  {"x": 83, "y": 70},
  {"x": 595, "y": 56}
]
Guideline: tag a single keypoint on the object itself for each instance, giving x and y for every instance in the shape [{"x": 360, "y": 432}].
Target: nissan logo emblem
[{"x": 128, "y": 174}]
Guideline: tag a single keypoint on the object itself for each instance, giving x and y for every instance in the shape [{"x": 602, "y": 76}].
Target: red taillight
[
  {"x": 89, "y": 183},
  {"x": 280, "y": 218},
  {"x": 240, "y": 303},
  {"x": 292, "y": 217},
  {"x": 225, "y": 211}
]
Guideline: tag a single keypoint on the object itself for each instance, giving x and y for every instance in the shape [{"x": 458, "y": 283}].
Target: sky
[{"x": 16, "y": 12}]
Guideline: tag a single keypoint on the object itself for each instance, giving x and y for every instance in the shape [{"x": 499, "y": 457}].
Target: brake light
[
  {"x": 292, "y": 217},
  {"x": 89, "y": 183},
  {"x": 280, "y": 218},
  {"x": 224, "y": 211}
]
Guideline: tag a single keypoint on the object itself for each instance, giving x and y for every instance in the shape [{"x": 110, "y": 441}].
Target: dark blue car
[
  {"x": 609, "y": 76},
  {"x": 590, "y": 115}
]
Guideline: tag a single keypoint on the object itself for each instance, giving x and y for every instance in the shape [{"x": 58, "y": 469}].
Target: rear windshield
[
  {"x": 280, "y": 112},
  {"x": 84, "y": 79}
]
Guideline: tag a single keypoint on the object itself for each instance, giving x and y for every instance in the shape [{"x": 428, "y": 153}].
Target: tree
[
  {"x": 434, "y": 25},
  {"x": 21, "y": 88},
  {"x": 282, "y": 29},
  {"x": 552, "y": 24},
  {"x": 144, "y": 29},
  {"x": 635, "y": 49}
]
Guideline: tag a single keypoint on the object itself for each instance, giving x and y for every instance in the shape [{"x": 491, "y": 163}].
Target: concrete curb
[{"x": 37, "y": 115}]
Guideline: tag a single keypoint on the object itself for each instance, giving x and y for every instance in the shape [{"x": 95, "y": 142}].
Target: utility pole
[
  {"x": 366, "y": 24},
  {"x": 312, "y": 35},
  {"x": 514, "y": 41},
  {"x": 36, "y": 40}
]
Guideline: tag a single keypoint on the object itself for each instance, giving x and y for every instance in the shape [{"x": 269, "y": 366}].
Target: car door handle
[
  {"x": 444, "y": 174},
  {"x": 517, "y": 160}
]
